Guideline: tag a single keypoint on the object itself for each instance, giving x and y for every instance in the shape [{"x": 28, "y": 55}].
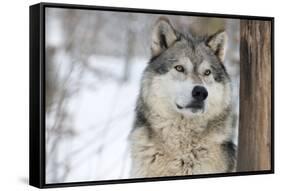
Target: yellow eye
[
  {"x": 207, "y": 72},
  {"x": 179, "y": 68}
]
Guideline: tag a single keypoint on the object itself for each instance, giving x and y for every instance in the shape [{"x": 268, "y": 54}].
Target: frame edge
[{"x": 35, "y": 131}]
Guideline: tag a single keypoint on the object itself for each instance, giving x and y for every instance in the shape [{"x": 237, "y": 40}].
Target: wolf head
[{"x": 186, "y": 74}]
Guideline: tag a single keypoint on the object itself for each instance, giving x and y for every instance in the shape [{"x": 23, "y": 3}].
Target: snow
[{"x": 102, "y": 119}]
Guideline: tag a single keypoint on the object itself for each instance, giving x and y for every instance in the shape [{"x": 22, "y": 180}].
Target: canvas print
[{"x": 131, "y": 95}]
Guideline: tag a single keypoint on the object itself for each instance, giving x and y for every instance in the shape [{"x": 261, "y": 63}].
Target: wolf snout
[{"x": 199, "y": 93}]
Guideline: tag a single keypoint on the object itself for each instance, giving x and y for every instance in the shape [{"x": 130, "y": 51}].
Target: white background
[{"x": 14, "y": 79}]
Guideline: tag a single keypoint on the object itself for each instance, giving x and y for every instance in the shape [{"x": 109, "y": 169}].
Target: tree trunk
[{"x": 254, "y": 149}]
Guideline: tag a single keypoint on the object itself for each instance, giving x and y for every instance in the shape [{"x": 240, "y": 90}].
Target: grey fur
[
  {"x": 230, "y": 152},
  {"x": 166, "y": 141},
  {"x": 141, "y": 120}
]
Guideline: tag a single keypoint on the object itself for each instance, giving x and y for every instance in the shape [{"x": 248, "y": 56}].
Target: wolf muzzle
[{"x": 199, "y": 94}]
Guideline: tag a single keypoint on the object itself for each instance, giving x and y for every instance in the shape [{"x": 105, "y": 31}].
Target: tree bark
[{"x": 254, "y": 147}]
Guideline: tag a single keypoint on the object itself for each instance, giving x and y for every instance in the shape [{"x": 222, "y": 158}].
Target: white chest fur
[{"x": 177, "y": 147}]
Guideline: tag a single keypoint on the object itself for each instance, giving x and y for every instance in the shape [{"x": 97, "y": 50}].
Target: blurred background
[{"x": 94, "y": 62}]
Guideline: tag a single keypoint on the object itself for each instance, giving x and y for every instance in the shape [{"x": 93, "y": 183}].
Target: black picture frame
[{"x": 37, "y": 94}]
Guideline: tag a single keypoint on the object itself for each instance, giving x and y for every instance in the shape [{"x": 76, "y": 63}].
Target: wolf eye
[
  {"x": 207, "y": 72},
  {"x": 179, "y": 68}
]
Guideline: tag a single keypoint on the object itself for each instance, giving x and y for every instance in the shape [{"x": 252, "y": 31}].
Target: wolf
[{"x": 184, "y": 114}]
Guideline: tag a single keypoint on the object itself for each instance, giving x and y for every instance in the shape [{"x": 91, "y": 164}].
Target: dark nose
[{"x": 199, "y": 93}]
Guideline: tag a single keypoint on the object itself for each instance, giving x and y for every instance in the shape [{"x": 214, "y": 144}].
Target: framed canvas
[{"x": 121, "y": 95}]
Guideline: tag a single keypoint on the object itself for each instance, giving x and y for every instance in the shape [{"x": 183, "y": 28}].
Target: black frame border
[{"x": 37, "y": 167}]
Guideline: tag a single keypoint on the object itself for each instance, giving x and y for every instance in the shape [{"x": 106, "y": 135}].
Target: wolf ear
[
  {"x": 163, "y": 36},
  {"x": 217, "y": 43}
]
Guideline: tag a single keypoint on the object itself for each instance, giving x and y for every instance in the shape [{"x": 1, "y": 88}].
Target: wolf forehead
[
  {"x": 170, "y": 47},
  {"x": 188, "y": 43},
  {"x": 184, "y": 49}
]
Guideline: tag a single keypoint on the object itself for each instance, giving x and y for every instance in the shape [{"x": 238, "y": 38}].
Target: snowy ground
[
  {"x": 106, "y": 116},
  {"x": 102, "y": 119}
]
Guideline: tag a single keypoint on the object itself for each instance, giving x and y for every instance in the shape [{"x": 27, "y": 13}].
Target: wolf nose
[{"x": 199, "y": 93}]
